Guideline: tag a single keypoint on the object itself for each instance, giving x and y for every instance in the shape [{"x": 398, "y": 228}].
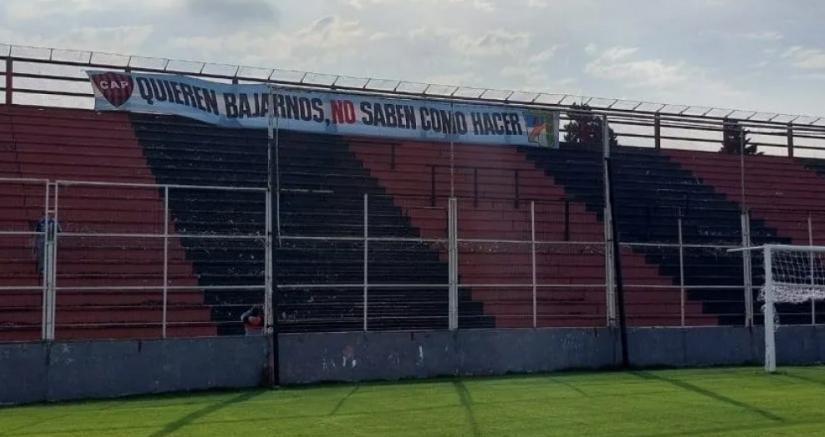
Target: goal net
[{"x": 793, "y": 274}]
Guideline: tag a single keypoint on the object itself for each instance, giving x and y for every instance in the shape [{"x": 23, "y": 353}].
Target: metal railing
[
  {"x": 118, "y": 244},
  {"x": 519, "y": 278},
  {"x": 55, "y": 77}
]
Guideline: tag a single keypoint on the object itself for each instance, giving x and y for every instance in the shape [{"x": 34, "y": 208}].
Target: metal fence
[
  {"x": 56, "y": 77},
  {"x": 532, "y": 295},
  {"x": 114, "y": 260},
  {"x": 528, "y": 268}
]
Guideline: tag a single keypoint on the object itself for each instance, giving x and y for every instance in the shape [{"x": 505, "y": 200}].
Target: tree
[
  {"x": 734, "y": 137},
  {"x": 585, "y": 129}
]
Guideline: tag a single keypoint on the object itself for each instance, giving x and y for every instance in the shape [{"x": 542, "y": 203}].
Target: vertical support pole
[
  {"x": 46, "y": 271},
  {"x": 742, "y": 135},
  {"x": 366, "y": 261},
  {"x": 452, "y": 150},
  {"x": 52, "y": 260},
  {"x": 812, "y": 266},
  {"x": 452, "y": 238},
  {"x": 273, "y": 186},
  {"x": 610, "y": 279},
  {"x": 681, "y": 271},
  {"x": 9, "y": 79},
  {"x": 617, "y": 269},
  {"x": 533, "y": 259},
  {"x": 165, "y": 258},
  {"x": 747, "y": 274},
  {"x": 657, "y": 131},
  {"x": 273, "y": 153},
  {"x": 566, "y": 219},
  {"x": 770, "y": 313},
  {"x": 269, "y": 288},
  {"x": 556, "y": 130},
  {"x": 790, "y": 140}
]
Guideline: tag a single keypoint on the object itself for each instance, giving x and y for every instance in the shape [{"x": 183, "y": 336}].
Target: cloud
[
  {"x": 806, "y": 58},
  {"x": 325, "y": 44},
  {"x": 768, "y": 35},
  {"x": 114, "y": 39},
  {"x": 615, "y": 64},
  {"x": 660, "y": 80},
  {"x": 493, "y": 43},
  {"x": 360, "y": 4},
  {"x": 514, "y": 44},
  {"x": 232, "y": 11}
]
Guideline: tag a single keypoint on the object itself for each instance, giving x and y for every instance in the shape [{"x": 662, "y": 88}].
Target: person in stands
[{"x": 253, "y": 321}]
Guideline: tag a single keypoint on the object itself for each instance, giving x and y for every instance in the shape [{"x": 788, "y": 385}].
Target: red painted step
[
  {"x": 71, "y": 144},
  {"x": 487, "y": 210},
  {"x": 778, "y": 190}
]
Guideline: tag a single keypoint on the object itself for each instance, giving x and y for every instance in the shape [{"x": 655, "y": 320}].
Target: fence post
[
  {"x": 747, "y": 278},
  {"x": 533, "y": 258},
  {"x": 9, "y": 79},
  {"x": 681, "y": 270},
  {"x": 269, "y": 288},
  {"x": 790, "y": 140},
  {"x": 51, "y": 256},
  {"x": 366, "y": 257},
  {"x": 657, "y": 131},
  {"x": 165, "y": 258},
  {"x": 452, "y": 238},
  {"x": 45, "y": 272},
  {"x": 811, "y": 261},
  {"x": 610, "y": 282}
]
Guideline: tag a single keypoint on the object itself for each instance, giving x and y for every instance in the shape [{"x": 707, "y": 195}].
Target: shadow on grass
[
  {"x": 801, "y": 378},
  {"x": 467, "y": 403},
  {"x": 343, "y": 399},
  {"x": 209, "y": 409},
  {"x": 709, "y": 394}
]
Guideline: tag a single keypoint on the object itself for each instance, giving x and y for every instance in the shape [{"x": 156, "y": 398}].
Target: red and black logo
[{"x": 115, "y": 87}]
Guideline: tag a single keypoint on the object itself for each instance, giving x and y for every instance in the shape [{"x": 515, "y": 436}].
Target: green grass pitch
[{"x": 735, "y": 401}]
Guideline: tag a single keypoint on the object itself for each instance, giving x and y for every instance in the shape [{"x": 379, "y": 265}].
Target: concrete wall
[
  {"x": 32, "y": 372},
  {"x": 356, "y": 356},
  {"x": 309, "y": 358}
]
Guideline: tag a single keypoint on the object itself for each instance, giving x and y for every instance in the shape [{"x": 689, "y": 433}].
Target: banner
[{"x": 247, "y": 105}]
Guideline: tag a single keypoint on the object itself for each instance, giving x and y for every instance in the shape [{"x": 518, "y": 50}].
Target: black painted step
[
  {"x": 322, "y": 188},
  {"x": 651, "y": 191}
]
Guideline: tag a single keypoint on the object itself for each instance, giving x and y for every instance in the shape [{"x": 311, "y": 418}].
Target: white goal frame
[{"x": 769, "y": 287}]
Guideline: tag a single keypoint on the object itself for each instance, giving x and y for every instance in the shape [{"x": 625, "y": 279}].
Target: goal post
[{"x": 793, "y": 274}]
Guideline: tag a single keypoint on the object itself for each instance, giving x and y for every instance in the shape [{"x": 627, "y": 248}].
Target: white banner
[{"x": 247, "y": 106}]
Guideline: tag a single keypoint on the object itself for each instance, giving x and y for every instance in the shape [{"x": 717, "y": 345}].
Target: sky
[{"x": 745, "y": 54}]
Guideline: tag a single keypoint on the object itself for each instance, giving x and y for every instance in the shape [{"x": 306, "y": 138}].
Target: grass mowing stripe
[{"x": 734, "y": 401}]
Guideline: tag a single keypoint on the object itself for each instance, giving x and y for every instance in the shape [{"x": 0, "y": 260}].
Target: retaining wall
[{"x": 33, "y": 372}]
